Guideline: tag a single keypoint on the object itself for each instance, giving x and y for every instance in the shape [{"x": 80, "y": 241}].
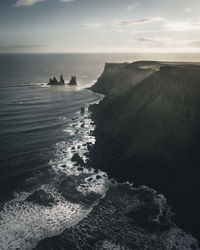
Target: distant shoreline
[{"x": 101, "y": 53}]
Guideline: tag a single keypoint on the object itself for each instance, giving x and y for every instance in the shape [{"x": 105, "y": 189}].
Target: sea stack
[
  {"x": 62, "y": 80},
  {"x": 54, "y": 81},
  {"x": 73, "y": 81},
  {"x": 82, "y": 110}
]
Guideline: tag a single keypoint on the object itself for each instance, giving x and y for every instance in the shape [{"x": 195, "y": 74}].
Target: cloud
[
  {"x": 148, "y": 31},
  {"x": 152, "y": 42},
  {"x": 181, "y": 26},
  {"x": 113, "y": 31},
  {"x": 133, "y": 6},
  {"x": 195, "y": 43},
  {"x": 164, "y": 42},
  {"x": 26, "y": 2},
  {"x": 32, "y": 2},
  {"x": 141, "y": 40},
  {"x": 91, "y": 25},
  {"x": 167, "y": 25},
  {"x": 188, "y": 9},
  {"x": 139, "y": 21},
  {"x": 67, "y": 1},
  {"x": 117, "y": 30},
  {"x": 21, "y": 46}
]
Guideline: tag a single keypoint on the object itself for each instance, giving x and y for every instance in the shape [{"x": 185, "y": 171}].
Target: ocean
[{"x": 42, "y": 129}]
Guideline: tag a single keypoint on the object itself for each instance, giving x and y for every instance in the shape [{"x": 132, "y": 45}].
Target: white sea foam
[
  {"x": 41, "y": 84},
  {"x": 81, "y": 129},
  {"x": 23, "y": 224},
  {"x": 107, "y": 245}
]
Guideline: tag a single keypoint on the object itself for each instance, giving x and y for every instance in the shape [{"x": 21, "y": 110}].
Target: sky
[{"x": 124, "y": 26}]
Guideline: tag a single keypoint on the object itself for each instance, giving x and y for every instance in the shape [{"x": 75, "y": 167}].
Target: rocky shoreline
[{"x": 127, "y": 218}]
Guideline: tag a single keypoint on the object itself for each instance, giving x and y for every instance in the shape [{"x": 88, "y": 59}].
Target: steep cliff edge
[{"x": 148, "y": 131}]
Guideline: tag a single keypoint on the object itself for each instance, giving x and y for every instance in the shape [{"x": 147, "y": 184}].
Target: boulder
[
  {"x": 79, "y": 161},
  {"x": 82, "y": 110},
  {"x": 41, "y": 197}
]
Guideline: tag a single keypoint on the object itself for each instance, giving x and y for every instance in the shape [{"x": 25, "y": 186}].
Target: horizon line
[{"x": 105, "y": 52}]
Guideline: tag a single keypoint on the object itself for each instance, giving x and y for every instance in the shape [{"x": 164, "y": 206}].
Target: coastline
[{"x": 146, "y": 213}]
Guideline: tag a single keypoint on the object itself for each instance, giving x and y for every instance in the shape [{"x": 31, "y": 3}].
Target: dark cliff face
[
  {"x": 117, "y": 78},
  {"x": 148, "y": 131}
]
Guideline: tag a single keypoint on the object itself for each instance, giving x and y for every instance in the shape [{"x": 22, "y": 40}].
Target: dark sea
[{"x": 41, "y": 129}]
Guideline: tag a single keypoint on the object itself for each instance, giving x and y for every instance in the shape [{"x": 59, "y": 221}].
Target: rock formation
[
  {"x": 82, "y": 110},
  {"x": 73, "y": 81},
  {"x": 54, "y": 81},
  {"x": 62, "y": 80}
]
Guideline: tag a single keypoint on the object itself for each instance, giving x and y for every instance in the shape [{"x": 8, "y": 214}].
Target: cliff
[{"x": 148, "y": 131}]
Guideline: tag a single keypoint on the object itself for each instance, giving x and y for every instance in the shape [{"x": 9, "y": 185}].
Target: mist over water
[{"x": 41, "y": 128}]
